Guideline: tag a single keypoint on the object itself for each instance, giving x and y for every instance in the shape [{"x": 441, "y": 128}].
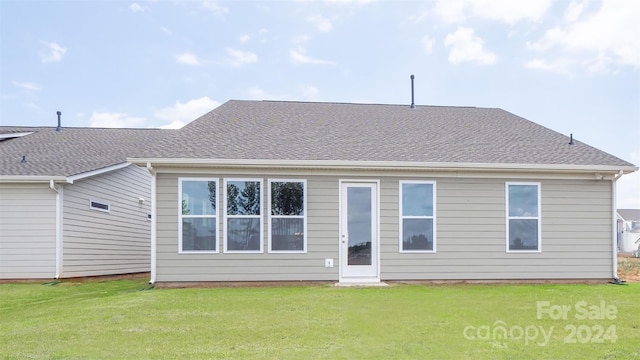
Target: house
[
  {"x": 289, "y": 191},
  {"x": 70, "y": 204},
  {"x": 629, "y": 231}
]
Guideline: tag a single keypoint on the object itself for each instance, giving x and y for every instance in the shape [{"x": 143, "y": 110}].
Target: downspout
[
  {"x": 614, "y": 212},
  {"x": 152, "y": 171},
  {"x": 59, "y": 192}
]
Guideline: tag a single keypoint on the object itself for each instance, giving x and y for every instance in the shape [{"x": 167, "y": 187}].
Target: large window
[
  {"x": 523, "y": 217},
  {"x": 198, "y": 215},
  {"x": 287, "y": 215},
  {"x": 243, "y": 223},
  {"x": 417, "y": 216}
]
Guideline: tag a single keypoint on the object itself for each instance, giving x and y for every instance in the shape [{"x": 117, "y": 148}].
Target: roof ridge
[{"x": 360, "y": 104}]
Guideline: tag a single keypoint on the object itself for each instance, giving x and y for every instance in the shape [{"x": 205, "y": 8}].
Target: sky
[{"x": 572, "y": 66}]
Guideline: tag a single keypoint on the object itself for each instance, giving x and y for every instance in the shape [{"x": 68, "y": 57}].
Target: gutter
[
  {"x": 59, "y": 198},
  {"x": 384, "y": 165},
  {"x": 154, "y": 240},
  {"x": 68, "y": 179},
  {"x": 614, "y": 222}
]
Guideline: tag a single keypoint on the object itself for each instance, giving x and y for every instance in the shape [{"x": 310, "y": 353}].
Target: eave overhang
[
  {"x": 383, "y": 165},
  {"x": 60, "y": 178}
]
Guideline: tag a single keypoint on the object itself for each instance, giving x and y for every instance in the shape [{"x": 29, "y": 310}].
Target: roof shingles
[
  {"x": 71, "y": 151},
  {"x": 276, "y": 130}
]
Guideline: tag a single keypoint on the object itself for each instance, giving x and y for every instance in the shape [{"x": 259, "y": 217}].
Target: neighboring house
[
  {"x": 278, "y": 191},
  {"x": 70, "y": 204},
  {"x": 629, "y": 231}
]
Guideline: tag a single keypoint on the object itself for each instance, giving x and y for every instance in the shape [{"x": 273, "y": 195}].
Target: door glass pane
[{"x": 359, "y": 225}]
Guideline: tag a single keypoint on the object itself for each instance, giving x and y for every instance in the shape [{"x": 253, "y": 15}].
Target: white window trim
[
  {"x": 539, "y": 217},
  {"x": 180, "y": 216},
  {"x": 401, "y": 217},
  {"x": 91, "y": 207},
  {"x": 226, "y": 216},
  {"x": 304, "y": 217}
]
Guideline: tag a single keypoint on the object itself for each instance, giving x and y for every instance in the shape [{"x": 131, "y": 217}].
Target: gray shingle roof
[
  {"x": 71, "y": 151},
  {"x": 274, "y": 130},
  {"x": 629, "y": 214}
]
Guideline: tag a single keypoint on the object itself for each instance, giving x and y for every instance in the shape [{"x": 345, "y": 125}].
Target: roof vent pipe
[
  {"x": 59, "y": 128},
  {"x": 413, "y": 104},
  {"x": 571, "y": 140}
]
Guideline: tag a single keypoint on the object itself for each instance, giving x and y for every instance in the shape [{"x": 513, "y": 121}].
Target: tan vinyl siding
[
  {"x": 322, "y": 232},
  {"x": 105, "y": 243},
  {"x": 27, "y": 231},
  {"x": 471, "y": 232}
]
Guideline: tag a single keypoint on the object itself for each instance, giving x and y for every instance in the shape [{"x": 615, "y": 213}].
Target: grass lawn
[{"x": 124, "y": 319}]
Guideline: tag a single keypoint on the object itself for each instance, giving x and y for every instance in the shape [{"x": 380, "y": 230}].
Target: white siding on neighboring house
[
  {"x": 576, "y": 231},
  {"x": 115, "y": 242},
  {"x": 27, "y": 231}
]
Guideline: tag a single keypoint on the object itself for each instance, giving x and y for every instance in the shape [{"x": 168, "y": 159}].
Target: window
[
  {"x": 243, "y": 224},
  {"x": 99, "y": 205},
  {"x": 417, "y": 216},
  {"x": 198, "y": 215},
  {"x": 287, "y": 215},
  {"x": 523, "y": 217}
]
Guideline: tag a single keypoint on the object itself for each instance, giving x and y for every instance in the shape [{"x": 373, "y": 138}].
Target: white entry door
[{"x": 359, "y": 232}]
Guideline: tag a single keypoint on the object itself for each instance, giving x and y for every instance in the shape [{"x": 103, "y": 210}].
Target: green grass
[{"x": 125, "y": 320}]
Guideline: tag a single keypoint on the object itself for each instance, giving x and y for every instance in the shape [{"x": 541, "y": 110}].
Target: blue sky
[{"x": 572, "y": 66}]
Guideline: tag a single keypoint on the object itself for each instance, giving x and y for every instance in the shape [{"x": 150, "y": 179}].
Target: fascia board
[
  {"x": 84, "y": 175},
  {"x": 382, "y": 165},
  {"x": 30, "y": 179}
]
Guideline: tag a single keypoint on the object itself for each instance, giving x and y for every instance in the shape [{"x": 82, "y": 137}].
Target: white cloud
[
  {"x": 181, "y": 114},
  {"x": 310, "y": 93},
  {"x": 346, "y": 2},
  {"x": 418, "y": 17},
  {"x": 300, "y": 39},
  {"x": 188, "y": 59},
  {"x": 298, "y": 56},
  {"x": 466, "y": 47},
  {"x": 52, "y": 52},
  {"x": 166, "y": 30},
  {"x": 115, "y": 120},
  {"x": 427, "y": 43},
  {"x": 135, "y": 7},
  {"x": 561, "y": 66},
  {"x": 244, "y": 38},
  {"x": 508, "y": 11},
  {"x": 601, "y": 40},
  {"x": 256, "y": 93},
  {"x": 239, "y": 57},
  {"x": 215, "y": 7},
  {"x": 574, "y": 10},
  {"x": 174, "y": 125},
  {"x": 27, "y": 85},
  {"x": 304, "y": 93},
  {"x": 322, "y": 24}
]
